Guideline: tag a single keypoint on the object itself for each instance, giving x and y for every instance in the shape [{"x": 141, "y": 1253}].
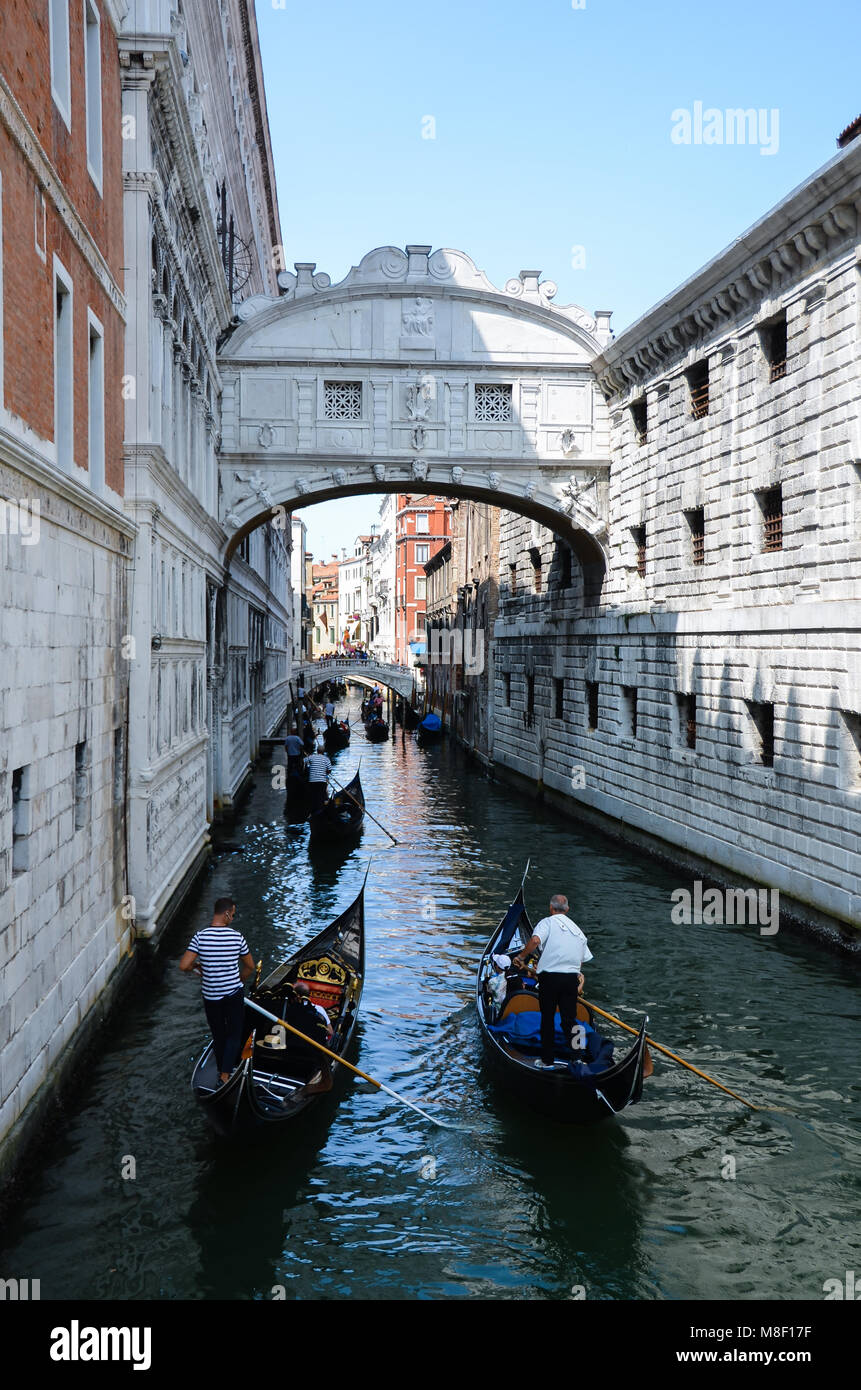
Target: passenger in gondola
[
  {"x": 564, "y": 949},
  {"x": 300, "y": 1013},
  {"x": 304, "y": 992},
  {"x": 330, "y": 713},
  {"x": 220, "y": 955},
  {"x": 319, "y": 767}
]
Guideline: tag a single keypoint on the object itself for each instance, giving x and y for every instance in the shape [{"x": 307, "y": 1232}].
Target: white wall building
[
  {"x": 381, "y": 590},
  {"x": 353, "y": 585},
  {"x": 301, "y": 616}
]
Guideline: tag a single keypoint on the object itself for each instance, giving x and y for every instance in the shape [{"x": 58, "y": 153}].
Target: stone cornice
[
  {"x": 151, "y": 460},
  {"x": 33, "y": 467},
  {"x": 788, "y": 242},
  {"x": 49, "y": 181}
]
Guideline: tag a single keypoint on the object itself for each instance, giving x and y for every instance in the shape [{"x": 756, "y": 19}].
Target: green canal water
[{"x": 362, "y": 1198}]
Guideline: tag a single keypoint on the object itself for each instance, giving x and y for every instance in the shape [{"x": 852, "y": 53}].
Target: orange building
[{"x": 422, "y": 526}]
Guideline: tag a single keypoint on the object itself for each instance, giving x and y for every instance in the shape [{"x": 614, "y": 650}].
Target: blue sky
[{"x": 552, "y": 132}]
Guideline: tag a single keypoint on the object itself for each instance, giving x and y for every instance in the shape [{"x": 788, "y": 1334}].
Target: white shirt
[
  {"x": 563, "y": 945},
  {"x": 325, "y": 1017}
]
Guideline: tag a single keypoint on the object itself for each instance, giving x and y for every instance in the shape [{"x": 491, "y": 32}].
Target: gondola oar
[
  {"x": 681, "y": 1061},
  {"x": 364, "y": 1075},
  {"x": 363, "y": 808}
]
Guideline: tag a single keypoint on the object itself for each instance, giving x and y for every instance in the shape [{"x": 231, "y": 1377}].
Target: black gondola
[
  {"x": 559, "y": 1093},
  {"x": 337, "y": 736},
  {"x": 273, "y": 1084},
  {"x": 298, "y": 799},
  {"x": 376, "y": 729},
  {"x": 341, "y": 816}
]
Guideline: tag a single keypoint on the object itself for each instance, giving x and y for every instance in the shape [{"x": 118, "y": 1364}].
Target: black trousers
[
  {"x": 557, "y": 989},
  {"x": 318, "y": 794},
  {"x": 225, "y": 1019}
]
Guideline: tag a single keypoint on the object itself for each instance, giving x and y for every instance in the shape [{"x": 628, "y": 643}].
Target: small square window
[
  {"x": 771, "y": 506},
  {"x": 342, "y": 400},
  {"x": 592, "y": 704},
  {"x": 422, "y": 554},
  {"x": 629, "y": 710},
  {"x": 696, "y": 520},
  {"x": 639, "y": 416},
  {"x": 686, "y": 707},
  {"x": 492, "y": 404},
  {"x": 698, "y": 389},
  {"x": 762, "y": 716},
  {"x": 638, "y": 535},
  {"x": 774, "y": 340}
]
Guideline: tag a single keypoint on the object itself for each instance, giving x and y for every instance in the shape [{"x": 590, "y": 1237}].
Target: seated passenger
[{"x": 304, "y": 993}]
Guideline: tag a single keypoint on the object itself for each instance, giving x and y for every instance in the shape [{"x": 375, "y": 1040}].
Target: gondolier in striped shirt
[
  {"x": 564, "y": 950},
  {"x": 319, "y": 767},
  {"x": 221, "y": 956}
]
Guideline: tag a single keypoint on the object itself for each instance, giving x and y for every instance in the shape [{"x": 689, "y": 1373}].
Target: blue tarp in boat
[
  {"x": 523, "y": 1030},
  {"x": 432, "y": 723}
]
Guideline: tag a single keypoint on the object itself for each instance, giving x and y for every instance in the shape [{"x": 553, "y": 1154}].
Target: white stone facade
[
  {"x": 382, "y": 585},
  {"x": 759, "y": 646}
]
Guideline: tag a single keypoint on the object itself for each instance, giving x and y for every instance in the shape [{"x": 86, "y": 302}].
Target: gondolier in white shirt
[
  {"x": 221, "y": 956},
  {"x": 319, "y": 767},
  {"x": 564, "y": 950}
]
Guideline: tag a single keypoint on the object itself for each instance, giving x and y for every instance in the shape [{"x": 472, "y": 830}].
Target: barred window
[
  {"x": 771, "y": 505},
  {"x": 698, "y": 389},
  {"x": 492, "y": 404},
  {"x": 342, "y": 400}
]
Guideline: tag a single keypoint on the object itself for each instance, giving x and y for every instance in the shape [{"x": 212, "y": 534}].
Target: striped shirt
[
  {"x": 319, "y": 767},
  {"x": 219, "y": 949}
]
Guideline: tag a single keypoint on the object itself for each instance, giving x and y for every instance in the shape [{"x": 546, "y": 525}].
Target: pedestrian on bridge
[{"x": 220, "y": 955}]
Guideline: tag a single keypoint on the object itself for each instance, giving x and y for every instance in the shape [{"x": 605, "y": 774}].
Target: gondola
[
  {"x": 337, "y": 736},
  {"x": 272, "y": 1085},
  {"x": 341, "y": 816},
  {"x": 298, "y": 798},
  {"x": 430, "y": 728},
  {"x": 559, "y": 1093},
  {"x": 376, "y": 729}
]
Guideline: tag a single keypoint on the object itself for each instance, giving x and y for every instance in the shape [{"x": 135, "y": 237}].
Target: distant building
[
  {"x": 421, "y": 529},
  {"x": 324, "y": 608},
  {"x": 354, "y": 578},
  {"x": 381, "y": 590}
]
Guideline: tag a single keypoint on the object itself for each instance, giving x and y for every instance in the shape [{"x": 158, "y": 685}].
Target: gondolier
[
  {"x": 295, "y": 749},
  {"x": 329, "y": 712},
  {"x": 564, "y": 950},
  {"x": 319, "y": 767},
  {"x": 221, "y": 956}
]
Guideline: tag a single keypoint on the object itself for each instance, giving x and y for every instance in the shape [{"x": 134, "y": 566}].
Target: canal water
[{"x": 687, "y": 1195}]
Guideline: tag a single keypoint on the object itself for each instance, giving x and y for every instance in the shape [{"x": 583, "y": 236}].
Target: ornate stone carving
[
  {"x": 419, "y": 437},
  {"x": 340, "y": 477},
  {"x": 569, "y": 442},
  {"x": 379, "y": 470},
  {"x": 457, "y": 474},
  {"x": 494, "y": 479},
  {"x": 529, "y": 490},
  {"x": 417, "y": 321},
  {"x": 265, "y": 436},
  {"x": 419, "y": 470},
  {"x": 418, "y": 398},
  {"x": 301, "y": 485}
]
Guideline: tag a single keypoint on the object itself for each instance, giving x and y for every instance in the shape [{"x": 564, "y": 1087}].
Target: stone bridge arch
[
  {"x": 397, "y": 678},
  {"x": 416, "y": 374}
]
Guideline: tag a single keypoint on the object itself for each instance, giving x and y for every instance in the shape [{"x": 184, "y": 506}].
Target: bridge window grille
[
  {"x": 342, "y": 400},
  {"x": 698, "y": 386},
  {"x": 771, "y": 506},
  {"x": 592, "y": 704},
  {"x": 763, "y": 720},
  {"x": 492, "y": 404}
]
